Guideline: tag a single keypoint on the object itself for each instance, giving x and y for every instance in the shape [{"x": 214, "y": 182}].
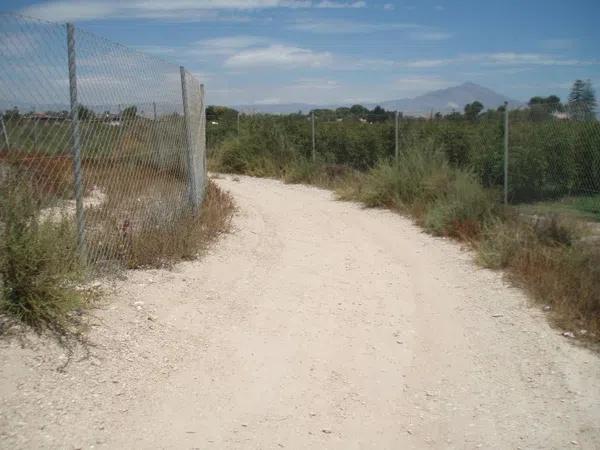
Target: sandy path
[{"x": 316, "y": 324}]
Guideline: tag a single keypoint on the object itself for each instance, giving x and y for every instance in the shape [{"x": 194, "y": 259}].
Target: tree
[
  {"x": 472, "y": 110},
  {"x": 589, "y": 97},
  {"x": 549, "y": 104},
  {"x": 342, "y": 112},
  {"x": 359, "y": 111},
  {"x": 130, "y": 112},
  {"x": 12, "y": 114},
  {"x": 84, "y": 113},
  {"x": 323, "y": 114},
  {"x": 221, "y": 113},
  {"x": 454, "y": 115},
  {"x": 540, "y": 108},
  {"x": 378, "y": 114},
  {"x": 582, "y": 100}
]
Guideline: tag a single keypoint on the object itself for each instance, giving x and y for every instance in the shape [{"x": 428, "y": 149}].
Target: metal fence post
[
  {"x": 314, "y": 141},
  {"x": 5, "y": 133},
  {"x": 155, "y": 138},
  {"x": 505, "y": 153},
  {"x": 191, "y": 164},
  {"x": 396, "y": 139},
  {"x": 35, "y": 134},
  {"x": 76, "y": 143},
  {"x": 202, "y": 143}
]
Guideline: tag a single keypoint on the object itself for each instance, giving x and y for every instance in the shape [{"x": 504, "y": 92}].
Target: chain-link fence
[
  {"x": 554, "y": 156},
  {"x": 108, "y": 141},
  {"x": 549, "y": 156}
]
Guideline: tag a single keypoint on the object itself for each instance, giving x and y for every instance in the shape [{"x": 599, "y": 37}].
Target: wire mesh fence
[
  {"x": 108, "y": 141},
  {"x": 549, "y": 155},
  {"x": 554, "y": 155}
]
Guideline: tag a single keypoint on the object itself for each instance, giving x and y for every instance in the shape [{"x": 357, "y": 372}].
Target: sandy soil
[{"x": 316, "y": 324}]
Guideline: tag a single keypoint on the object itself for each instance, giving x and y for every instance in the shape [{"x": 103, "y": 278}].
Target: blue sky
[{"x": 350, "y": 51}]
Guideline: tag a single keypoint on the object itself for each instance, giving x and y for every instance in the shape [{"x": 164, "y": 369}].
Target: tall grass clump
[
  {"x": 463, "y": 210},
  {"x": 40, "y": 272},
  {"x": 172, "y": 235},
  {"x": 447, "y": 200}
]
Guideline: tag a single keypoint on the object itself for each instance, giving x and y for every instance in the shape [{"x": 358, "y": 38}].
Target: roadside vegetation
[
  {"x": 448, "y": 177},
  {"x": 43, "y": 281},
  {"x": 40, "y": 272},
  {"x": 136, "y": 215}
]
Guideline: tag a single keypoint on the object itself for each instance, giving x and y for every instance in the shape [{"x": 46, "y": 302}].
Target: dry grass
[
  {"x": 166, "y": 239},
  {"x": 555, "y": 262},
  {"x": 144, "y": 220}
]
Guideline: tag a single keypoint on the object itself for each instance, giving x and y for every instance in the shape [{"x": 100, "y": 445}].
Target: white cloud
[
  {"x": 426, "y": 63},
  {"x": 338, "y": 5},
  {"x": 389, "y": 6},
  {"x": 315, "y": 83},
  {"x": 512, "y": 58},
  {"x": 268, "y": 101},
  {"x": 412, "y": 31},
  {"x": 69, "y": 10},
  {"x": 279, "y": 56},
  {"x": 334, "y": 26},
  {"x": 498, "y": 59},
  {"x": 226, "y": 45},
  {"x": 74, "y": 10}
]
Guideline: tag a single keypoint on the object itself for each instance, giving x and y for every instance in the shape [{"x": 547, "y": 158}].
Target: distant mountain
[
  {"x": 446, "y": 100},
  {"x": 443, "y": 100},
  {"x": 277, "y": 108}
]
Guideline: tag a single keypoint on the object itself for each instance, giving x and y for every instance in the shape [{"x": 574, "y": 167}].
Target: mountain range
[{"x": 443, "y": 100}]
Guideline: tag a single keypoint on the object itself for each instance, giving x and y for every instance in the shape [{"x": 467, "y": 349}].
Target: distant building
[{"x": 560, "y": 115}]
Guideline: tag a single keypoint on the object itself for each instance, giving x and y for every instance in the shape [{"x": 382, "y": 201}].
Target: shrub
[
  {"x": 303, "y": 170},
  {"x": 551, "y": 264},
  {"x": 465, "y": 208},
  {"x": 39, "y": 266}
]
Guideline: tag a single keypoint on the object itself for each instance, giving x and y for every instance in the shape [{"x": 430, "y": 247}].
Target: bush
[
  {"x": 551, "y": 264},
  {"x": 303, "y": 170},
  {"x": 39, "y": 266},
  {"x": 464, "y": 210},
  {"x": 411, "y": 183}
]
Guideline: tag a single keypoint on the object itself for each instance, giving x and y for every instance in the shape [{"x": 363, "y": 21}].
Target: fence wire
[
  {"x": 142, "y": 156},
  {"x": 553, "y": 154}
]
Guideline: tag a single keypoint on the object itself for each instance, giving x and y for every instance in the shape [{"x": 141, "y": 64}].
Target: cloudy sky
[{"x": 349, "y": 51}]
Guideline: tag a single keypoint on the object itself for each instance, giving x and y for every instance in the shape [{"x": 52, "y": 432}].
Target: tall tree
[
  {"x": 582, "y": 100},
  {"x": 472, "y": 110},
  {"x": 589, "y": 96}
]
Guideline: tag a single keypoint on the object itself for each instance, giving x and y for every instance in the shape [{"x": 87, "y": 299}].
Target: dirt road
[{"x": 316, "y": 324}]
